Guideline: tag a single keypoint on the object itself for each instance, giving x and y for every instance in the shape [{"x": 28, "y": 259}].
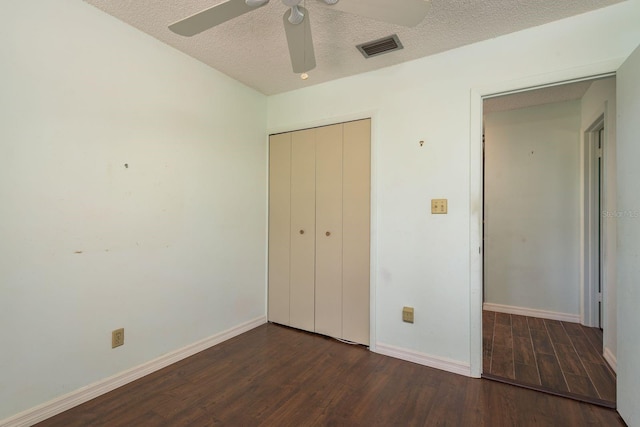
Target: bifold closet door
[
  {"x": 303, "y": 227},
  {"x": 279, "y": 227},
  {"x": 328, "y": 303},
  {"x": 319, "y": 227},
  {"x": 356, "y": 208}
]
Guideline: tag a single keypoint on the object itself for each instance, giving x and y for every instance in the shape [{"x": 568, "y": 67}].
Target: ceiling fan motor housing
[{"x": 297, "y": 16}]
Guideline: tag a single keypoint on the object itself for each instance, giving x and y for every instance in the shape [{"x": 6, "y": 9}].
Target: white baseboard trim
[
  {"x": 531, "y": 312},
  {"x": 611, "y": 359},
  {"x": 84, "y": 394},
  {"x": 441, "y": 363}
]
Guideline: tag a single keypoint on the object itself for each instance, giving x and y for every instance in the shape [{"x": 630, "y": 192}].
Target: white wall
[
  {"x": 431, "y": 262},
  {"x": 628, "y": 256},
  {"x": 83, "y": 94},
  {"x": 600, "y": 99},
  {"x": 532, "y": 208},
  {"x": 172, "y": 247}
]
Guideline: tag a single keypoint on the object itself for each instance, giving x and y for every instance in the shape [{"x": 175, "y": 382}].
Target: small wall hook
[{"x": 421, "y": 143}]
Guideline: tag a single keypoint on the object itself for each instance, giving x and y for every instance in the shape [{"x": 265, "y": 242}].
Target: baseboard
[
  {"x": 611, "y": 359},
  {"x": 84, "y": 394},
  {"x": 532, "y": 312},
  {"x": 436, "y": 362}
]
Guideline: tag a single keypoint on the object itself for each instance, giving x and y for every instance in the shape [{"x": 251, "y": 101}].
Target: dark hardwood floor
[
  {"x": 554, "y": 356},
  {"x": 276, "y": 376}
]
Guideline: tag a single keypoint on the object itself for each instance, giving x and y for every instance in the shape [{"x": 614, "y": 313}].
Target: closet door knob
[
  {"x": 301, "y": 231},
  {"x": 328, "y": 233}
]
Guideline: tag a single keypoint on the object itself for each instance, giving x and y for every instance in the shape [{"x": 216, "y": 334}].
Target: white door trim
[
  {"x": 591, "y": 246},
  {"x": 601, "y": 69}
]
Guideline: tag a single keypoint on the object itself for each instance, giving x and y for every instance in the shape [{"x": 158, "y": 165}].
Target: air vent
[{"x": 380, "y": 46}]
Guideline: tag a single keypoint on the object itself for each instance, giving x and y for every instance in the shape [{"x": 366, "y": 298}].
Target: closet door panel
[
  {"x": 279, "y": 227},
  {"x": 328, "y": 315},
  {"x": 303, "y": 221},
  {"x": 356, "y": 231}
]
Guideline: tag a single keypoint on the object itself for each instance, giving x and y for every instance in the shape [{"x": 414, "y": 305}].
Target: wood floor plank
[
  {"x": 487, "y": 328},
  {"x": 453, "y": 399},
  {"x": 602, "y": 379},
  {"x": 585, "y": 349},
  {"x": 486, "y": 364},
  {"x": 185, "y": 414},
  {"x": 502, "y": 361},
  {"x": 581, "y": 384},
  {"x": 557, "y": 332},
  {"x": 594, "y": 335},
  {"x": 487, "y": 344},
  {"x": 374, "y": 377},
  {"x": 503, "y": 319},
  {"x": 535, "y": 323},
  {"x": 488, "y": 317},
  {"x": 541, "y": 341},
  {"x": 149, "y": 419},
  {"x": 487, "y": 353},
  {"x": 573, "y": 328},
  {"x": 569, "y": 359},
  {"x": 502, "y": 335},
  {"x": 507, "y": 400},
  {"x": 550, "y": 372},
  {"x": 488, "y": 323},
  {"x": 523, "y": 351},
  {"x": 277, "y": 376},
  {"x": 519, "y": 326},
  {"x": 527, "y": 374},
  {"x": 414, "y": 403}
]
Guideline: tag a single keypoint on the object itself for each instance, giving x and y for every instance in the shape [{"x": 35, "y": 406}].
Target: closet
[{"x": 319, "y": 227}]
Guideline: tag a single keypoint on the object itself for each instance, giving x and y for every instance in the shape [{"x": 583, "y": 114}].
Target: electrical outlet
[
  {"x": 117, "y": 338},
  {"x": 407, "y": 314},
  {"x": 438, "y": 206}
]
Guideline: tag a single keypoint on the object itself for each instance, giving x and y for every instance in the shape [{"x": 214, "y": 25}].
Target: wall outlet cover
[
  {"x": 407, "y": 314},
  {"x": 117, "y": 338},
  {"x": 438, "y": 206}
]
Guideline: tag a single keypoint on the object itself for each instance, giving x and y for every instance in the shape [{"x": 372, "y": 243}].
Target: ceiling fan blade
[
  {"x": 300, "y": 42},
  {"x": 211, "y": 17},
  {"x": 407, "y": 13}
]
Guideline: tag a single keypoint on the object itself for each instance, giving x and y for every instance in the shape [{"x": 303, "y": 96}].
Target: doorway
[{"x": 544, "y": 180}]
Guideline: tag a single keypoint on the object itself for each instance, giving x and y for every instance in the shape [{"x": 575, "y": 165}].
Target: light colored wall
[
  {"x": 532, "y": 208},
  {"x": 431, "y": 262},
  {"x": 628, "y": 239},
  {"x": 172, "y": 247},
  {"x": 600, "y": 99},
  {"x": 81, "y": 91}
]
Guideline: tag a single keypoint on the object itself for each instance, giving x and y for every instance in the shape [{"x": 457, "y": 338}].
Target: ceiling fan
[{"x": 297, "y": 28}]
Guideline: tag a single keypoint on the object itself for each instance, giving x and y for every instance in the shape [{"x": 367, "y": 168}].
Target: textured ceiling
[{"x": 253, "y": 49}]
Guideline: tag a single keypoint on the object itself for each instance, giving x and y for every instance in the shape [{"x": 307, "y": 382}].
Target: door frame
[
  {"x": 477, "y": 95},
  {"x": 594, "y": 231}
]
